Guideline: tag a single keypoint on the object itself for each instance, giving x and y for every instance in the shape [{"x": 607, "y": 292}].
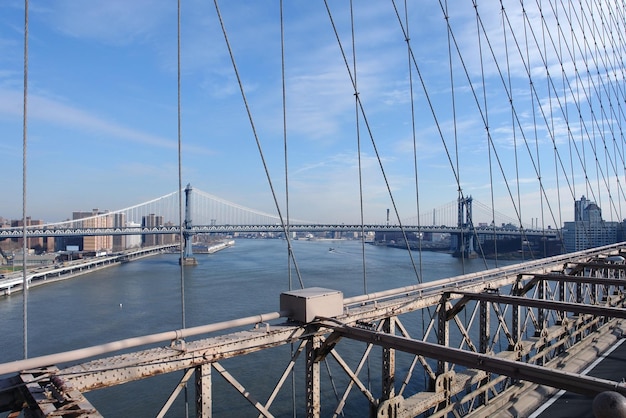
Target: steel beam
[
  {"x": 585, "y": 385},
  {"x": 175, "y": 335},
  {"x": 142, "y": 364},
  {"x": 485, "y": 339},
  {"x": 49, "y": 395},
  {"x": 204, "y": 384},
  {"x": 388, "y": 363},
  {"x": 313, "y": 388},
  {"x": 443, "y": 332},
  {"x": 570, "y": 279},
  {"x": 11, "y": 398},
  {"x": 598, "y": 310}
]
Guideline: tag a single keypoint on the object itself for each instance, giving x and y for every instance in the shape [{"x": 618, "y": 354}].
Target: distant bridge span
[{"x": 276, "y": 228}]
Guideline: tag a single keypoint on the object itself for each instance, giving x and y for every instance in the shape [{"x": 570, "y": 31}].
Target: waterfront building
[
  {"x": 133, "y": 241},
  {"x": 35, "y": 243},
  {"x": 170, "y": 238},
  {"x": 34, "y": 260},
  {"x": 151, "y": 221},
  {"x": 119, "y": 241},
  {"x": 95, "y": 219},
  {"x": 589, "y": 230}
]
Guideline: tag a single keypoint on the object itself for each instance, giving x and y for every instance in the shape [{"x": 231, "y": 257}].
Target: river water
[{"x": 143, "y": 297}]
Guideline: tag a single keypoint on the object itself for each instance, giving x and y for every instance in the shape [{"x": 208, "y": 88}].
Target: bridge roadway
[
  {"x": 13, "y": 282},
  {"x": 559, "y": 308},
  {"x": 609, "y": 365},
  {"x": 55, "y": 231}
]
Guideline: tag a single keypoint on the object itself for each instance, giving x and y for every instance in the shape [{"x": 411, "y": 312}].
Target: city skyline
[
  {"x": 214, "y": 211},
  {"x": 102, "y": 114}
]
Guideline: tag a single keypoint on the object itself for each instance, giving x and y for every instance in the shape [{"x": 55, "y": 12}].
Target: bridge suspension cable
[
  {"x": 370, "y": 132},
  {"x": 24, "y": 184},
  {"x": 562, "y": 92},
  {"x": 256, "y": 138}
]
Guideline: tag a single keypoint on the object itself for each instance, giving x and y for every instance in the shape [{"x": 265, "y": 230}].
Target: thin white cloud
[
  {"x": 41, "y": 108},
  {"x": 112, "y": 21}
]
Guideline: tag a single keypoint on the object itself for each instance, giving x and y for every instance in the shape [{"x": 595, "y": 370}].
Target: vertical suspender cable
[
  {"x": 284, "y": 93},
  {"x": 566, "y": 116},
  {"x": 513, "y": 129},
  {"x": 570, "y": 138},
  {"x": 24, "y": 149},
  {"x": 360, "y": 168},
  {"x": 581, "y": 119},
  {"x": 358, "y": 142},
  {"x": 256, "y": 139},
  {"x": 549, "y": 81},
  {"x": 489, "y": 138},
  {"x": 369, "y": 130},
  {"x": 593, "y": 141},
  {"x": 453, "y": 100},
  {"x": 414, "y": 138},
  {"x": 415, "y": 170},
  {"x": 287, "y": 224},
  {"x": 532, "y": 96},
  {"x": 180, "y": 197},
  {"x": 180, "y": 187}
]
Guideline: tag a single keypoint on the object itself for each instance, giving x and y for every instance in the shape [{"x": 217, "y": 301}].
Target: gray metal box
[{"x": 305, "y": 304}]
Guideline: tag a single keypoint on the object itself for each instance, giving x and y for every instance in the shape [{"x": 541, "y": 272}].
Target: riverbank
[{"x": 14, "y": 282}]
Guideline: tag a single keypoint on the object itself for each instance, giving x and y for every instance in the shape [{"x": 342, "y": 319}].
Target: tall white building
[
  {"x": 133, "y": 241},
  {"x": 588, "y": 229}
]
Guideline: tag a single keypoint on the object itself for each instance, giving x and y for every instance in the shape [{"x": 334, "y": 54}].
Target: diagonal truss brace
[
  {"x": 241, "y": 389},
  {"x": 179, "y": 387}
]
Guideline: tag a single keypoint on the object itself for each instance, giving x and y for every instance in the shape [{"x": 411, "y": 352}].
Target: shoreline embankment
[{"x": 13, "y": 282}]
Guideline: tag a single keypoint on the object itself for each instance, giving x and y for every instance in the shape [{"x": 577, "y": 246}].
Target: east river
[{"x": 143, "y": 297}]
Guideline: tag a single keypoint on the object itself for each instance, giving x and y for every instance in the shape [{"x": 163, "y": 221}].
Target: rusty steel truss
[{"x": 464, "y": 346}]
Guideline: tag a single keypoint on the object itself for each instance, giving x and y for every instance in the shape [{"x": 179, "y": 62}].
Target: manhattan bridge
[
  {"x": 208, "y": 214},
  {"x": 498, "y": 342}
]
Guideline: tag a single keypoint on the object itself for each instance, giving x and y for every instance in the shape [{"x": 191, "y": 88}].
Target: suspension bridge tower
[
  {"x": 188, "y": 259},
  {"x": 463, "y": 241}
]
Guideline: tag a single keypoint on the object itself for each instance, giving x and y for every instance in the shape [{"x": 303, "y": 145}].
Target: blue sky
[{"x": 102, "y": 118}]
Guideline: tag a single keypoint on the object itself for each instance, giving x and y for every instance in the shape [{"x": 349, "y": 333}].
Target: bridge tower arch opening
[{"x": 188, "y": 259}]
